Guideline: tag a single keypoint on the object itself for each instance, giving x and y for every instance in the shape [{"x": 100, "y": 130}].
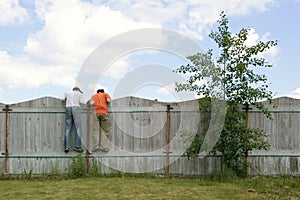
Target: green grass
[{"x": 137, "y": 188}]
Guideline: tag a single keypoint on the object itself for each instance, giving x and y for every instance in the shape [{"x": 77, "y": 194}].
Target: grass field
[{"x": 137, "y": 188}]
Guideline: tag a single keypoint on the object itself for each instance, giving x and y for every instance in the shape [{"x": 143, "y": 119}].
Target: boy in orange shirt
[{"x": 100, "y": 102}]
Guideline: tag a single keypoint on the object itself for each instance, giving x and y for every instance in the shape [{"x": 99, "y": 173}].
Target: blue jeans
[{"x": 73, "y": 115}]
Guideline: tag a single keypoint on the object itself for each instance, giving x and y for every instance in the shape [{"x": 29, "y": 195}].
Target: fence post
[
  {"x": 247, "y": 108},
  {"x": 6, "y": 109},
  {"x": 168, "y": 138},
  {"x": 88, "y": 137}
]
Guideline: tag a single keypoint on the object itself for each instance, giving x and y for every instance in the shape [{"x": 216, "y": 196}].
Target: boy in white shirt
[{"x": 73, "y": 115}]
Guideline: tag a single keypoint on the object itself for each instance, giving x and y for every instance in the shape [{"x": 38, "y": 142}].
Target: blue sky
[{"x": 44, "y": 44}]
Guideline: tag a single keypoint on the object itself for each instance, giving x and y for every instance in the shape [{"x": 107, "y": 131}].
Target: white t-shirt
[{"x": 73, "y": 98}]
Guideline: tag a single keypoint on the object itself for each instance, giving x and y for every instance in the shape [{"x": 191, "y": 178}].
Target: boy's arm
[
  {"x": 92, "y": 100},
  {"x": 108, "y": 99}
]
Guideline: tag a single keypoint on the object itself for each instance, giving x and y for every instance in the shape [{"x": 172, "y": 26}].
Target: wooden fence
[{"x": 32, "y": 133}]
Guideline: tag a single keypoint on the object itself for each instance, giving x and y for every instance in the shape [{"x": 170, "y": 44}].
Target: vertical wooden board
[
  {"x": 158, "y": 140},
  {"x": 11, "y": 133},
  {"x": 89, "y": 129},
  {"x": 120, "y": 164},
  {"x": 83, "y": 130},
  {"x": 175, "y": 120},
  {"x": 31, "y": 133},
  {"x": 139, "y": 165},
  {"x": 116, "y": 136},
  {"x": 2, "y": 130},
  {"x": 202, "y": 165},
  {"x": 185, "y": 166},
  {"x": 46, "y": 122},
  {"x": 173, "y": 167},
  {"x": 135, "y": 117},
  {"x": 258, "y": 166},
  {"x": 37, "y": 166},
  {"x": 129, "y": 164},
  {"x": 177, "y": 166},
  {"x": 94, "y": 127},
  {"x": 2, "y": 165},
  {"x": 65, "y": 165},
  {"x": 12, "y": 166},
  {"x": 128, "y": 130},
  {"x": 119, "y": 122},
  {"x": 27, "y": 131},
  {"x": 103, "y": 164},
  {"x": 159, "y": 169},
  {"x": 284, "y": 166},
  {"x": 186, "y": 132},
  {"x": 49, "y": 132},
  {"x": 161, "y": 137},
  {"x": 146, "y": 133},
  {"x": 295, "y": 131},
  {"x": 138, "y": 124},
  {"x": 54, "y": 133},
  {"x": 271, "y": 165},
  {"x": 58, "y": 131},
  {"x": 269, "y": 127},
  {"x": 154, "y": 164},
  {"x": 63, "y": 127},
  {"x": 17, "y": 132},
  {"x": 111, "y": 164},
  {"x": 156, "y": 128},
  {"x": 254, "y": 168},
  {"x": 291, "y": 130},
  {"x": 115, "y": 139},
  {"x": 295, "y": 165},
  {"x": 211, "y": 166},
  {"x": 261, "y": 164},
  {"x": 38, "y": 133},
  {"x": 275, "y": 137},
  {"x": 295, "y": 143},
  {"x": 283, "y": 142},
  {"x": 87, "y": 138}
]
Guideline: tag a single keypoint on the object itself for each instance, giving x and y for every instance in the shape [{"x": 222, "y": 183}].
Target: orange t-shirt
[{"x": 100, "y": 104}]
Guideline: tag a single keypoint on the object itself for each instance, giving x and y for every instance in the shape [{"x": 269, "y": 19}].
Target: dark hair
[
  {"x": 77, "y": 89},
  {"x": 100, "y": 90}
]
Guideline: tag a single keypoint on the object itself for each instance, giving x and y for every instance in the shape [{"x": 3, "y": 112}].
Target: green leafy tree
[{"x": 234, "y": 70}]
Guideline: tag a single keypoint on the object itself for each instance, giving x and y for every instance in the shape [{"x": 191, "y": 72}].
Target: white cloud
[
  {"x": 182, "y": 95},
  {"x": 12, "y": 13},
  {"x": 54, "y": 54},
  {"x": 19, "y": 72},
  {"x": 1, "y": 91},
  {"x": 72, "y": 29},
  {"x": 118, "y": 69},
  {"x": 253, "y": 38},
  {"x": 270, "y": 54},
  {"x": 294, "y": 94},
  {"x": 190, "y": 17},
  {"x": 167, "y": 90},
  {"x": 70, "y": 35}
]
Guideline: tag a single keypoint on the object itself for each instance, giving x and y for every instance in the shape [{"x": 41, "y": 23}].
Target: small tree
[{"x": 234, "y": 69}]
